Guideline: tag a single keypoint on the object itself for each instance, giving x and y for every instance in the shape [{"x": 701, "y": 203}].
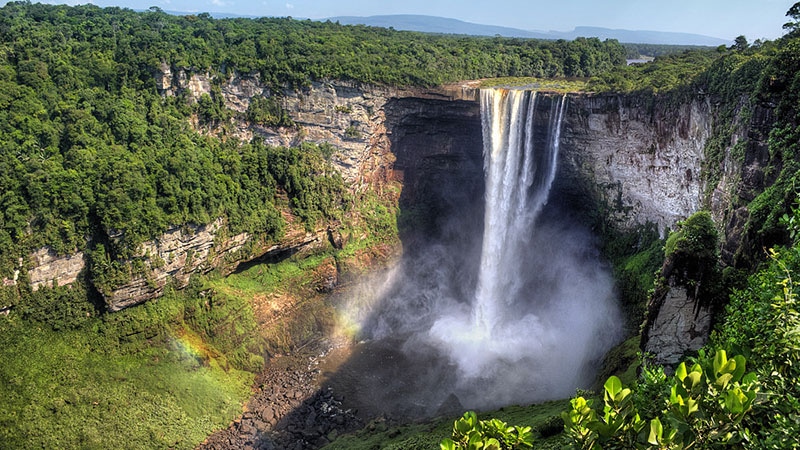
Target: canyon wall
[
  {"x": 638, "y": 157},
  {"x": 350, "y": 117},
  {"x": 634, "y": 159}
]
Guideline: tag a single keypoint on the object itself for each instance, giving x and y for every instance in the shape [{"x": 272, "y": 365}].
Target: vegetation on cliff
[
  {"x": 762, "y": 321},
  {"x": 754, "y": 90},
  {"x": 90, "y": 149}
]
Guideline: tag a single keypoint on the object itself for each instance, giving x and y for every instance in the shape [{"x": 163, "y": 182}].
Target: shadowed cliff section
[{"x": 438, "y": 150}]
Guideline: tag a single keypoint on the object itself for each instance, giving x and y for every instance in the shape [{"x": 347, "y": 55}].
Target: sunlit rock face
[
  {"x": 182, "y": 251},
  {"x": 52, "y": 269},
  {"x": 640, "y": 158}
]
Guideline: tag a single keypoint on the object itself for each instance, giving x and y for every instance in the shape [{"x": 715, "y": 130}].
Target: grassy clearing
[
  {"x": 288, "y": 307},
  {"x": 559, "y": 85},
  {"x": 88, "y": 388}
]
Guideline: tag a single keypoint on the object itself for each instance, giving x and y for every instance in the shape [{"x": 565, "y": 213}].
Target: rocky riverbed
[{"x": 290, "y": 409}]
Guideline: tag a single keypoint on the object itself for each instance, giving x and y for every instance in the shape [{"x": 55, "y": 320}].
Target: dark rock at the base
[
  {"x": 288, "y": 411},
  {"x": 450, "y": 406}
]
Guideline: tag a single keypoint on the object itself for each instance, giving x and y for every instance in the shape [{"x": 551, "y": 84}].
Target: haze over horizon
[{"x": 723, "y": 19}]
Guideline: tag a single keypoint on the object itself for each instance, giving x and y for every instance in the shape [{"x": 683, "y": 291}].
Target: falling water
[
  {"x": 518, "y": 180},
  {"x": 522, "y": 316}
]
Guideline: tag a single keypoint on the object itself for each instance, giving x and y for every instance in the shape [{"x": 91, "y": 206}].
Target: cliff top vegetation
[
  {"x": 560, "y": 85},
  {"x": 89, "y": 146}
]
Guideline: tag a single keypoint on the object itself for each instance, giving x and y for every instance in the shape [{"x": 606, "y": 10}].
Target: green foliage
[
  {"x": 315, "y": 189},
  {"x": 691, "y": 259},
  {"x": 267, "y": 111},
  {"x": 469, "y": 433},
  {"x": 762, "y": 319},
  {"x": 705, "y": 408},
  {"x": 107, "y": 274},
  {"x": 211, "y": 109},
  {"x": 793, "y": 13},
  {"x": 562, "y": 85},
  {"x": 428, "y": 435},
  {"x": 299, "y": 314},
  {"x": 652, "y": 389},
  {"x": 666, "y": 73},
  {"x": 60, "y": 308},
  {"x": 636, "y": 256},
  {"x": 779, "y": 83},
  {"x": 695, "y": 238},
  {"x": 352, "y": 132},
  {"x": 636, "y": 51},
  {"x": 161, "y": 375},
  {"x": 792, "y": 223},
  {"x": 623, "y": 360}
]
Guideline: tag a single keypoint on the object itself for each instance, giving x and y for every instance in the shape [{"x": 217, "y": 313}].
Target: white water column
[{"x": 518, "y": 179}]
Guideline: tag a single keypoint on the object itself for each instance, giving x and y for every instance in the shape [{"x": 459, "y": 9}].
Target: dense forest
[{"x": 91, "y": 148}]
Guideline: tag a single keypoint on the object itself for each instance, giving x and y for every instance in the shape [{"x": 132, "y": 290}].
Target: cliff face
[
  {"x": 629, "y": 157},
  {"x": 350, "y": 117},
  {"x": 182, "y": 251},
  {"x": 743, "y": 174},
  {"x": 681, "y": 325},
  {"x": 639, "y": 158}
]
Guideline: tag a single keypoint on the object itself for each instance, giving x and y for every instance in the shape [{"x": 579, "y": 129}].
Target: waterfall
[
  {"x": 518, "y": 180},
  {"x": 521, "y": 315}
]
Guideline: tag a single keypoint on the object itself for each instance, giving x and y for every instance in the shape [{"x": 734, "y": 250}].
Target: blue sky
[{"x": 725, "y": 19}]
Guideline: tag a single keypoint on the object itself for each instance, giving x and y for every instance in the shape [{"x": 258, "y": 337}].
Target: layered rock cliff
[{"x": 635, "y": 159}]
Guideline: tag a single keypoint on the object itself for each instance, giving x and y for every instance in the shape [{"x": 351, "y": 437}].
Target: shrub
[
  {"x": 763, "y": 319},
  {"x": 706, "y": 405},
  {"x": 469, "y": 433}
]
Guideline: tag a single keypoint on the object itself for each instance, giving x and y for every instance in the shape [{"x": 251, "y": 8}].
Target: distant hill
[{"x": 432, "y": 24}]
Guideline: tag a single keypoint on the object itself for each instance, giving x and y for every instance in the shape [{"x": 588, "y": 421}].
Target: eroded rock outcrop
[
  {"x": 60, "y": 270},
  {"x": 182, "y": 251},
  {"x": 681, "y": 325},
  {"x": 688, "y": 290}
]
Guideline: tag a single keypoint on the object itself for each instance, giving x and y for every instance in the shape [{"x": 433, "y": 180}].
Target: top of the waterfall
[
  {"x": 559, "y": 85},
  {"x": 469, "y": 89}
]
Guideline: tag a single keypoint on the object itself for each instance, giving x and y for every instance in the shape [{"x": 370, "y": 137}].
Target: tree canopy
[{"x": 89, "y": 148}]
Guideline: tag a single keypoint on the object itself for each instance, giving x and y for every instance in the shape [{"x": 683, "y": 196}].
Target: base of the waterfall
[
  {"x": 517, "y": 361},
  {"x": 420, "y": 377},
  {"x": 478, "y": 349}
]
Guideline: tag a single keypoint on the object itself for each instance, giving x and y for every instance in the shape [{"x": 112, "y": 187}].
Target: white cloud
[{"x": 289, "y": 6}]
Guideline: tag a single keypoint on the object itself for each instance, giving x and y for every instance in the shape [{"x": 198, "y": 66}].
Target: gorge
[
  {"x": 623, "y": 160},
  {"x": 323, "y": 219},
  {"x": 487, "y": 309}
]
